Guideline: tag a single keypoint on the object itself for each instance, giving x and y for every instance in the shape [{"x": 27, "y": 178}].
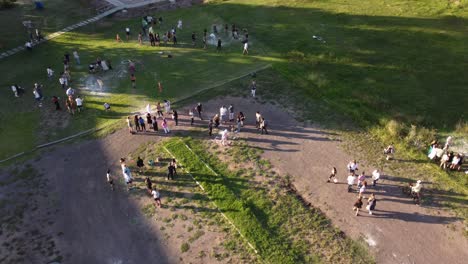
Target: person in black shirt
[
  {"x": 199, "y": 110},
  {"x": 171, "y": 171},
  {"x": 194, "y": 38},
  {"x": 219, "y": 45},
  {"x": 140, "y": 164},
  {"x": 175, "y": 116}
]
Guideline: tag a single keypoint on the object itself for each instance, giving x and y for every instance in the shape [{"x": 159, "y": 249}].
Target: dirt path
[{"x": 398, "y": 232}]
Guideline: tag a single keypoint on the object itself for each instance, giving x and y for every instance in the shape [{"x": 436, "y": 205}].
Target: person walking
[
  {"x": 242, "y": 118},
  {"x": 129, "y": 125},
  {"x": 223, "y": 113},
  {"x": 79, "y": 103},
  {"x": 333, "y": 175},
  {"x": 238, "y": 123},
  {"x": 263, "y": 126},
  {"x": 165, "y": 126},
  {"x": 216, "y": 121},
  {"x": 148, "y": 184},
  {"x": 110, "y": 181},
  {"x": 361, "y": 179},
  {"x": 357, "y": 205},
  {"x": 159, "y": 110},
  {"x": 155, "y": 124},
  {"x": 127, "y": 32},
  {"x": 156, "y": 197},
  {"x": 175, "y": 117},
  {"x": 210, "y": 128},
  {"x": 200, "y": 110},
  {"x": 167, "y": 106},
  {"x": 55, "y": 100},
  {"x": 50, "y": 72},
  {"x": 136, "y": 120},
  {"x": 371, "y": 203},
  {"x": 363, "y": 188},
  {"x": 258, "y": 119},
  {"x": 246, "y": 48},
  {"x": 142, "y": 124},
  {"x": 218, "y": 47}
]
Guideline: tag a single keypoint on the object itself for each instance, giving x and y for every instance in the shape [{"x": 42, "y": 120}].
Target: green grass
[
  {"x": 270, "y": 227},
  {"x": 372, "y": 67},
  {"x": 56, "y": 15}
]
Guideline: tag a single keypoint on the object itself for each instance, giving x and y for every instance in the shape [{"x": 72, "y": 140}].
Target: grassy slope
[
  {"x": 275, "y": 222},
  {"x": 56, "y": 15},
  {"x": 190, "y": 69}
]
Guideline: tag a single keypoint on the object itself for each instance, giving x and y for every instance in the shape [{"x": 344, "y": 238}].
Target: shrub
[
  {"x": 419, "y": 137},
  {"x": 184, "y": 247},
  {"x": 396, "y": 129},
  {"x": 295, "y": 55},
  {"x": 462, "y": 127}
]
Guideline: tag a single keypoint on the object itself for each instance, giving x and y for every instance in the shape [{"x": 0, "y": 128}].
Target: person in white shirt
[
  {"x": 62, "y": 82},
  {"x": 416, "y": 190},
  {"x": 253, "y": 88},
  {"x": 375, "y": 176},
  {"x": 37, "y": 97},
  {"x": 28, "y": 45},
  {"x": 127, "y": 176},
  {"x": 258, "y": 119},
  {"x": 70, "y": 91},
  {"x": 127, "y": 32},
  {"x": 79, "y": 103},
  {"x": 14, "y": 90},
  {"x": 352, "y": 166},
  {"x": 107, "y": 106},
  {"x": 246, "y": 48},
  {"x": 351, "y": 179},
  {"x": 167, "y": 106},
  {"x": 50, "y": 72},
  {"x": 223, "y": 113},
  {"x": 224, "y": 137},
  {"x": 179, "y": 24},
  {"x": 156, "y": 197},
  {"x": 77, "y": 57}
]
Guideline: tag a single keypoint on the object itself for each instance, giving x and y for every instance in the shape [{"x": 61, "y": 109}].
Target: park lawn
[
  {"x": 191, "y": 69},
  {"x": 56, "y": 15}
]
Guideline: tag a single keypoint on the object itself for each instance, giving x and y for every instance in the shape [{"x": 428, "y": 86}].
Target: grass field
[
  {"x": 56, "y": 15},
  {"x": 377, "y": 63}
]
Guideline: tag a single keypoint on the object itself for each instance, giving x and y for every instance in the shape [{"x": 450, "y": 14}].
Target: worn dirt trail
[{"x": 398, "y": 232}]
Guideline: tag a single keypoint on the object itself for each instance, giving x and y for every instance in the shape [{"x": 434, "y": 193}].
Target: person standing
[
  {"x": 77, "y": 57},
  {"x": 140, "y": 164},
  {"x": 127, "y": 32},
  {"x": 371, "y": 203},
  {"x": 79, "y": 103},
  {"x": 216, "y": 121},
  {"x": 200, "y": 110},
  {"x": 159, "y": 110},
  {"x": 263, "y": 126},
  {"x": 253, "y": 88},
  {"x": 109, "y": 179},
  {"x": 246, "y": 48},
  {"x": 238, "y": 123},
  {"x": 160, "y": 88},
  {"x": 223, "y": 113},
  {"x": 127, "y": 176},
  {"x": 358, "y": 205},
  {"x": 50, "y": 72},
  {"x": 171, "y": 171},
  {"x": 149, "y": 184},
  {"x": 165, "y": 126},
  {"x": 363, "y": 188},
  {"x": 258, "y": 119},
  {"x": 155, "y": 124},
  {"x": 416, "y": 192},
  {"x": 361, "y": 179},
  {"x": 140, "y": 38},
  {"x": 218, "y": 47},
  {"x": 129, "y": 125},
  {"x": 167, "y": 106},
  {"x": 194, "y": 38},
  {"x": 231, "y": 113},
  {"x": 133, "y": 80},
  {"x": 37, "y": 97},
  {"x": 55, "y": 100},
  {"x": 351, "y": 179},
  {"x": 136, "y": 120},
  {"x": 191, "y": 117},
  {"x": 175, "y": 117},
  {"x": 210, "y": 128},
  {"x": 149, "y": 121},
  {"x": 375, "y": 176},
  {"x": 333, "y": 175},
  {"x": 242, "y": 119},
  {"x": 142, "y": 124}
]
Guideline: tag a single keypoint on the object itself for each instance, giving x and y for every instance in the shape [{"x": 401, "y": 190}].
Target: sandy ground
[{"x": 398, "y": 232}]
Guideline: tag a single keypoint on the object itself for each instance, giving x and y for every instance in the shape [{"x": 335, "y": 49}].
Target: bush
[
  {"x": 396, "y": 129},
  {"x": 4, "y": 4},
  {"x": 295, "y": 55},
  {"x": 420, "y": 137}
]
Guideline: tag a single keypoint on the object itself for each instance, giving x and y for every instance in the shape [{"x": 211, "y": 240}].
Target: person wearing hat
[{"x": 416, "y": 190}]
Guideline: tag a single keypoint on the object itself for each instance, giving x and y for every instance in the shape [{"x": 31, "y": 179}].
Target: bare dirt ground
[
  {"x": 398, "y": 232},
  {"x": 71, "y": 215}
]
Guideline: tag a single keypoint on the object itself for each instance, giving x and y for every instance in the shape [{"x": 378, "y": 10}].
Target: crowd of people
[{"x": 446, "y": 158}]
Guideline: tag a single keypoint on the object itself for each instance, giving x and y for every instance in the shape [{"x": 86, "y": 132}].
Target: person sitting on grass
[
  {"x": 446, "y": 160},
  {"x": 389, "y": 151},
  {"x": 457, "y": 162}
]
